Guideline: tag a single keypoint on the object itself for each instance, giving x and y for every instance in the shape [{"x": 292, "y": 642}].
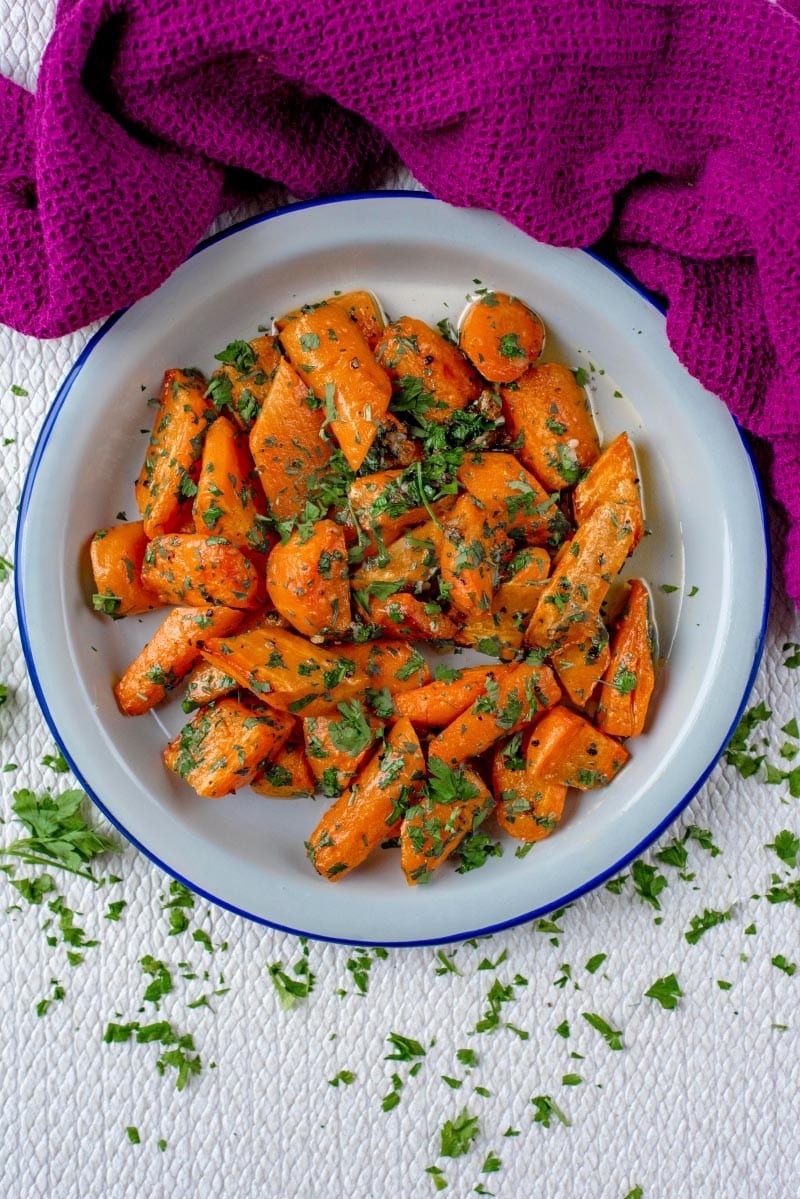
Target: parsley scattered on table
[
  {"x": 546, "y": 1109},
  {"x": 648, "y": 883},
  {"x": 60, "y": 835},
  {"x": 133, "y": 1135},
  {"x": 612, "y": 1036},
  {"x": 458, "y": 1135},
  {"x": 344, "y": 1077},
  {"x": 787, "y": 846},
  {"x": 595, "y": 962},
  {"x": 699, "y": 925},
  {"x": 666, "y": 991},
  {"x": 289, "y": 989},
  {"x": 783, "y": 964}
]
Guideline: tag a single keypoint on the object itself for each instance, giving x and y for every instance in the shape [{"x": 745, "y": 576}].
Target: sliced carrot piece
[
  {"x": 361, "y": 306},
  {"x": 242, "y": 383},
  {"x": 469, "y": 549},
  {"x": 326, "y": 347},
  {"x": 501, "y": 336},
  {"x": 407, "y": 563},
  {"x": 169, "y": 655},
  {"x": 431, "y": 377},
  {"x": 185, "y": 568},
  {"x": 271, "y": 661},
  {"x": 453, "y": 804},
  {"x": 552, "y": 417},
  {"x": 612, "y": 483},
  {"x": 117, "y": 554},
  {"x": 364, "y": 673},
  {"x": 402, "y": 615},
  {"x": 511, "y": 700},
  {"x": 206, "y": 683},
  {"x": 581, "y": 665},
  {"x": 526, "y": 807},
  {"x": 337, "y": 745},
  {"x": 287, "y": 774},
  {"x": 172, "y": 461},
  {"x": 225, "y": 744},
  {"x": 515, "y": 501},
  {"x": 630, "y": 677},
  {"x": 387, "y": 502},
  {"x": 308, "y": 582},
  {"x": 568, "y": 750},
  {"x": 370, "y": 811},
  {"x": 440, "y": 702},
  {"x": 287, "y": 444},
  {"x": 230, "y": 503}
]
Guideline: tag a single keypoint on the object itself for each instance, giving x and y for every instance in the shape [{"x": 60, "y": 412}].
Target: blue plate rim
[{"x": 525, "y": 917}]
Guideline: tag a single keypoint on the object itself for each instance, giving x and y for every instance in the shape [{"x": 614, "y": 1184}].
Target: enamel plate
[{"x": 705, "y": 559}]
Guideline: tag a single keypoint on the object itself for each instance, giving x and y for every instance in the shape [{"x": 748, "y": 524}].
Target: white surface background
[{"x": 701, "y": 1102}]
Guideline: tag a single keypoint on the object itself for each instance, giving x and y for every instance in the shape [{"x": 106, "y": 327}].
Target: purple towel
[{"x": 669, "y": 129}]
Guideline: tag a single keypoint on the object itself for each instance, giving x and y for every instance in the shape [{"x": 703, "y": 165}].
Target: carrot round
[{"x": 501, "y": 336}]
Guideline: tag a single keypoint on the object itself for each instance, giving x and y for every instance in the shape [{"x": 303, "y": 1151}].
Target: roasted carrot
[
  {"x": 169, "y": 655},
  {"x": 526, "y": 807},
  {"x": 242, "y": 383},
  {"x": 453, "y": 804},
  {"x": 498, "y": 632},
  {"x": 387, "y": 502},
  {"x": 580, "y": 665},
  {"x": 527, "y": 575},
  {"x": 271, "y": 661},
  {"x": 225, "y": 744},
  {"x": 172, "y": 461},
  {"x": 361, "y": 306},
  {"x": 511, "y": 700},
  {"x": 405, "y": 564},
  {"x": 307, "y": 580},
  {"x": 229, "y": 502},
  {"x": 613, "y": 484},
  {"x": 206, "y": 683},
  {"x": 117, "y": 554},
  {"x": 287, "y": 774},
  {"x": 403, "y": 615},
  {"x": 512, "y": 498},
  {"x": 326, "y": 347},
  {"x": 286, "y": 443},
  {"x": 568, "y": 750},
  {"x": 431, "y": 378},
  {"x": 552, "y": 417},
  {"x": 185, "y": 568},
  {"x": 370, "y": 811},
  {"x": 368, "y": 673},
  {"x": 501, "y": 336},
  {"x": 470, "y": 550},
  {"x": 336, "y": 746},
  {"x": 451, "y": 693},
  {"x": 630, "y": 677}
]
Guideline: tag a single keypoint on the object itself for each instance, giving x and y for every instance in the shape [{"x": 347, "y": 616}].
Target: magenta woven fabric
[{"x": 668, "y": 128}]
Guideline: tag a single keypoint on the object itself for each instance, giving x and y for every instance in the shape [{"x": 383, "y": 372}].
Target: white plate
[{"x": 421, "y": 257}]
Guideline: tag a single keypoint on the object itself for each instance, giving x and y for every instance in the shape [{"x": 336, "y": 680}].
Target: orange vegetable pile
[{"x": 337, "y": 496}]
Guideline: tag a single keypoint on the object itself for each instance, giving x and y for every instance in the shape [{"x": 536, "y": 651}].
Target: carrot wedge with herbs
[
  {"x": 286, "y": 443},
  {"x": 630, "y": 677},
  {"x": 453, "y": 804},
  {"x": 501, "y": 336},
  {"x": 361, "y": 306},
  {"x": 469, "y": 548},
  {"x": 336, "y": 746},
  {"x": 526, "y": 807},
  {"x": 225, "y": 745},
  {"x": 552, "y": 416},
  {"x": 172, "y": 461},
  {"x": 580, "y": 665},
  {"x": 431, "y": 378},
  {"x": 406, "y": 563},
  {"x": 272, "y": 662},
  {"x": 515, "y": 500},
  {"x": 307, "y": 580},
  {"x": 117, "y": 554},
  {"x": 230, "y": 502},
  {"x": 169, "y": 655},
  {"x": 511, "y": 700},
  {"x": 185, "y": 568},
  {"x": 328, "y": 350},
  {"x": 370, "y": 811},
  {"x": 568, "y": 750},
  {"x": 403, "y": 615},
  {"x": 287, "y": 774},
  {"x": 451, "y": 693},
  {"x": 205, "y": 684},
  {"x": 613, "y": 481},
  {"x": 367, "y": 673},
  {"x": 242, "y": 383},
  {"x": 388, "y": 501}
]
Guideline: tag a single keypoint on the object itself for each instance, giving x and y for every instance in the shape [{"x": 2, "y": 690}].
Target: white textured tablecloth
[{"x": 702, "y": 1100}]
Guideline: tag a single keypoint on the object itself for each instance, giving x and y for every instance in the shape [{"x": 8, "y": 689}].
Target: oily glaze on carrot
[
  {"x": 383, "y": 505},
  {"x": 613, "y": 484},
  {"x": 430, "y": 377},
  {"x": 169, "y": 655},
  {"x": 241, "y": 385},
  {"x": 440, "y": 702},
  {"x": 433, "y": 828},
  {"x": 307, "y": 580},
  {"x": 566, "y": 749},
  {"x": 335, "y": 746},
  {"x": 469, "y": 550},
  {"x": 407, "y": 563},
  {"x": 501, "y": 336},
  {"x": 225, "y": 744},
  {"x": 513, "y": 499},
  {"x": 287, "y": 444},
  {"x": 581, "y": 665},
  {"x": 117, "y": 554},
  {"x": 511, "y": 699},
  {"x": 229, "y": 502},
  {"x": 552, "y": 417},
  {"x": 361, "y": 306},
  {"x": 630, "y": 677},
  {"x": 327, "y": 349},
  {"x": 403, "y": 615},
  {"x": 204, "y": 684},
  {"x": 370, "y": 811},
  {"x": 172, "y": 461},
  {"x": 526, "y": 807},
  {"x": 185, "y": 568},
  {"x": 361, "y": 672}
]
